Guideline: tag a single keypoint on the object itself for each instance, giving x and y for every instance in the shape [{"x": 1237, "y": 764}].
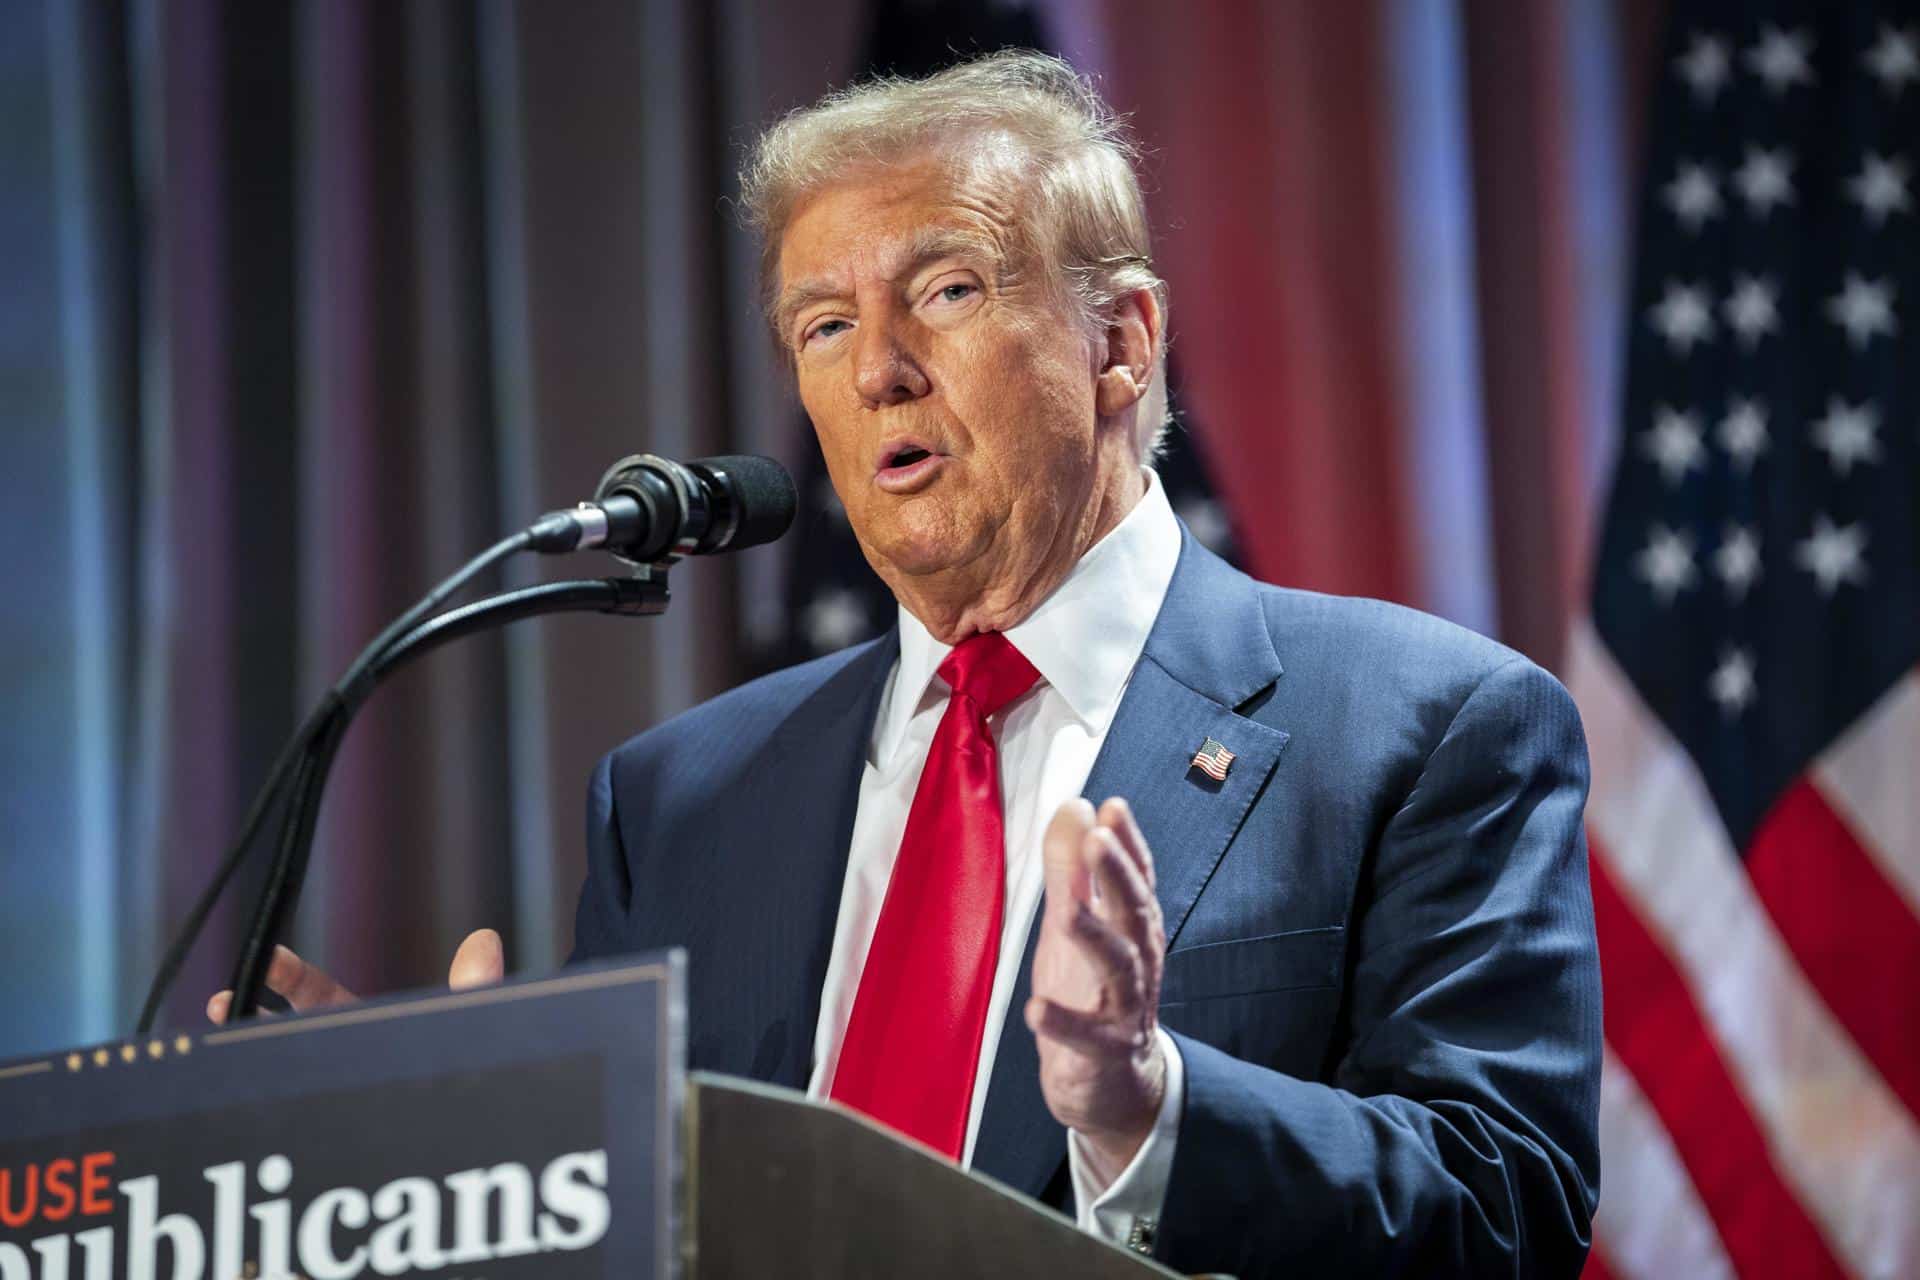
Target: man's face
[{"x": 950, "y": 382}]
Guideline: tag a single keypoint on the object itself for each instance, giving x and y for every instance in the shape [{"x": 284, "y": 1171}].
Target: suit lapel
[
  {"x": 1209, "y": 652},
  {"x": 769, "y": 983}
]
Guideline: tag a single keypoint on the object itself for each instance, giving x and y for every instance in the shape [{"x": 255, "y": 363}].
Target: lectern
[{"x": 542, "y": 1128}]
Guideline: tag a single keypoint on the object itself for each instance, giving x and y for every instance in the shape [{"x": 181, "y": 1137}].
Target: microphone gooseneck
[{"x": 649, "y": 511}]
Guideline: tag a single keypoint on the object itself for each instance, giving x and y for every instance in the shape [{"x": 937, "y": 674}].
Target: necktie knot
[{"x": 987, "y": 669}]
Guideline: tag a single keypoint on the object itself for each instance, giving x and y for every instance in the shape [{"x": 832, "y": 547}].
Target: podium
[{"x": 542, "y": 1128}]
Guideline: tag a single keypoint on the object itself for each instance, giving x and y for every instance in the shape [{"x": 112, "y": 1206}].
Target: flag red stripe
[
  {"x": 1656, "y": 1029},
  {"x": 1596, "y": 1268},
  {"x": 1854, "y": 937}
]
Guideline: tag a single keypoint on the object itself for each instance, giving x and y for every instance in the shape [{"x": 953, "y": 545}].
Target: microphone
[{"x": 648, "y": 509}]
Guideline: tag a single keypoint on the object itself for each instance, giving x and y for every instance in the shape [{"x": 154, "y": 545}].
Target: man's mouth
[{"x": 907, "y": 467}]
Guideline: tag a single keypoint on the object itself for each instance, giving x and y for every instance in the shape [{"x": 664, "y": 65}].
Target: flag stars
[
  {"x": 1736, "y": 562},
  {"x": 1683, "y": 316},
  {"x": 1880, "y": 188},
  {"x": 1706, "y": 67},
  {"x": 834, "y": 620},
  {"x": 1894, "y": 59},
  {"x": 1780, "y": 59},
  {"x": 1674, "y": 444},
  {"x": 1833, "y": 554},
  {"x": 1732, "y": 685},
  {"x": 1207, "y": 522},
  {"x": 1743, "y": 432},
  {"x": 1765, "y": 179},
  {"x": 1847, "y": 434},
  {"x": 1864, "y": 308},
  {"x": 1666, "y": 563},
  {"x": 1693, "y": 195},
  {"x": 1752, "y": 309}
]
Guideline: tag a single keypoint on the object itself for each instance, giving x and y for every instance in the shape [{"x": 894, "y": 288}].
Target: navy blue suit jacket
[{"x": 1381, "y": 970}]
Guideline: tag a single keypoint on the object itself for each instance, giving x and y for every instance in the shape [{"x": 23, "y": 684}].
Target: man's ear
[{"x": 1133, "y": 339}]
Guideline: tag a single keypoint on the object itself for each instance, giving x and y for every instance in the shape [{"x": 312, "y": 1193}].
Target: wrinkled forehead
[{"x": 887, "y": 220}]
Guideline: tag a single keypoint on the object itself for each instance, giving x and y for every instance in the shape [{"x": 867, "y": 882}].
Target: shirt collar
[{"x": 1084, "y": 639}]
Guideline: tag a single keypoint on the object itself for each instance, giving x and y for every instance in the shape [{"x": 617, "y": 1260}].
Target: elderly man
[{"x": 1315, "y": 983}]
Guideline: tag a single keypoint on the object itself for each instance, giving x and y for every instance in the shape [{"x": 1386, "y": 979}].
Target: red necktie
[{"x": 913, "y": 1039}]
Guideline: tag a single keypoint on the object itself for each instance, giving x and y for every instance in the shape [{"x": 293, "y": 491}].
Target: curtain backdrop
[{"x": 309, "y": 302}]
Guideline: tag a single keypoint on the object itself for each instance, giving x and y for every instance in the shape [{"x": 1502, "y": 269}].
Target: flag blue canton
[{"x": 1759, "y": 573}]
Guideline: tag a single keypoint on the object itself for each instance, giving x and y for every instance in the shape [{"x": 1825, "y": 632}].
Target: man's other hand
[
  {"x": 480, "y": 960},
  {"x": 1096, "y": 981}
]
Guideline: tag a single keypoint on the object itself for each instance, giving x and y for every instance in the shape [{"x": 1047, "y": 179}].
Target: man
[{"x": 1316, "y": 981}]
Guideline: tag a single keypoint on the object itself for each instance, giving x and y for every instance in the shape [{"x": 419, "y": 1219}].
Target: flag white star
[
  {"x": 1737, "y": 560},
  {"x": 1666, "y": 563},
  {"x": 1743, "y": 432},
  {"x": 1752, "y": 309},
  {"x": 1880, "y": 188},
  {"x": 1846, "y": 434},
  {"x": 1864, "y": 308},
  {"x": 1684, "y": 316},
  {"x": 1765, "y": 179},
  {"x": 1833, "y": 555},
  {"x": 1894, "y": 58},
  {"x": 1780, "y": 59},
  {"x": 834, "y": 620},
  {"x": 1731, "y": 684},
  {"x": 1207, "y": 522},
  {"x": 1673, "y": 442},
  {"x": 1693, "y": 195},
  {"x": 1705, "y": 67}
]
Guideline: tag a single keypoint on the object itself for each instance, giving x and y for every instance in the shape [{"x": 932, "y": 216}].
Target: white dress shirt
[{"x": 1084, "y": 639}]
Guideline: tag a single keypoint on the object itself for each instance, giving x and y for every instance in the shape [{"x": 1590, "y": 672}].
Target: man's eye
[
  {"x": 955, "y": 293},
  {"x": 825, "y": 329}
]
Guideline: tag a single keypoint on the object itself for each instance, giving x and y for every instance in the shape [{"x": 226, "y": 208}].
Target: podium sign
[{"x": 526, "y": 1130}]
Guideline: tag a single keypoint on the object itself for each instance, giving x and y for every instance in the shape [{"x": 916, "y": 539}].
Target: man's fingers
[
  {"x": 1126, "y": 901},
  {"x": 480, "y": 961},
  {"x": 1066, "y": 875},
  {"x": 305, "y": 986},
  {"x": 1116, "y": 815},
  {"x": 1089, "y": 1033},
  {"x": 218, "y": 1006},
  {"x": 1113, "y": 956}
]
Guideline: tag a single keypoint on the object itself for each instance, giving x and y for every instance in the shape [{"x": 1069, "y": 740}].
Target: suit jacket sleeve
[
  {"x": 1455, "y": 1132},
  {"x": 599, "y": 921}
]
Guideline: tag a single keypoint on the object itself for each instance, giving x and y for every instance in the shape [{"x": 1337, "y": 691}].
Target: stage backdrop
[{"x": 307, "y": 302}]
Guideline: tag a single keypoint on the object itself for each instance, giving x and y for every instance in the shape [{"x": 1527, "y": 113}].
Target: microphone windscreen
[{"x": 763, "y": 494}]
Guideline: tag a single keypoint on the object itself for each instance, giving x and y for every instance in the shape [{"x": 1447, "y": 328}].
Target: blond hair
[{"x": 1087, "y": 209}]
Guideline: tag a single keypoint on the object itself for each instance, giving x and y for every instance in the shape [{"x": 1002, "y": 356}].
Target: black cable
[
  {"x": 189, "y": 931},
  {"x": 282, "y": 887},
  {"x": 281, "y": 892},
  {"x": 346, "y": 694}
]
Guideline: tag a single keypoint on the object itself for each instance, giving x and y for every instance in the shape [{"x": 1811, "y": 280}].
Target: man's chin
[{"x": 906, "y": 552}]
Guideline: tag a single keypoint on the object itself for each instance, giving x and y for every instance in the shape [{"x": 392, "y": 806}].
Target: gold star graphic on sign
[
  {"x": 128, "y": 1053},
  {"x": 156, "y": 1049},
  {"x": 101, "y": 1058},
  {"x": 75, "y": 1062},
  {"x": 182, "y": 1045}
]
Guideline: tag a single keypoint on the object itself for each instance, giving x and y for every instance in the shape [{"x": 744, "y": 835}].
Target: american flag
[
  {"x": 1747, "y": 674},
  {"x": 1213, "y": 759}
]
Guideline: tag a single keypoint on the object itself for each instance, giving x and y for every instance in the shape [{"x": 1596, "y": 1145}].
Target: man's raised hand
[
  {"x": 1096, "y": 980},
  {"x": 480, "y": 960}
]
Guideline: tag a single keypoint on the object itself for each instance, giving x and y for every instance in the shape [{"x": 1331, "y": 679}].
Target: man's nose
[{"x": 885, "y": 371}]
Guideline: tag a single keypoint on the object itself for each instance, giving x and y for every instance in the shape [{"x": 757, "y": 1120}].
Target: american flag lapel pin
[{"x": 1213, "y": 759}]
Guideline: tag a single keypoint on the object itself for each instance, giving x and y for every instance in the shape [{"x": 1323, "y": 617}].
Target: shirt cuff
[{"x": 1126, "y": 1211}]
